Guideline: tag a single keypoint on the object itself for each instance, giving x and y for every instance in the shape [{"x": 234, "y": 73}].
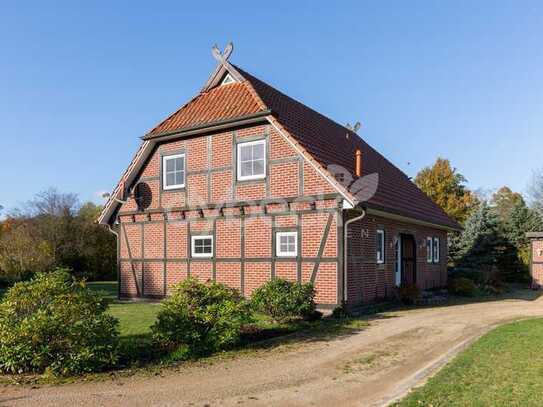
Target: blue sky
[{"x": 80, "y": 82}]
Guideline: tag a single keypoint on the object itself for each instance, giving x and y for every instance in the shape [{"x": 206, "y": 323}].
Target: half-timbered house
[{"x": 243, "y": 184}]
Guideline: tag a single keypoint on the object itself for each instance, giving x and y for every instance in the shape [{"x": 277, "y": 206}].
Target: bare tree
[
  {"x": 536, "y": 190},
  {"x": 53, "y": 203}
]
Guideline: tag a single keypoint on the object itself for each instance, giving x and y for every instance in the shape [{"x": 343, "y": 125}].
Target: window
[
  {"x": 436, "y": 249},
  {"x": 286, "y": 244},
  {"x": 429, "y": 250},
  {"x": 227, "y": 79},
  {"x": 252, "y": 160},
  {"x": 380, "y": 245},
  {"x": 173, "y": 171},
  {"x": 202, "y": 246}
]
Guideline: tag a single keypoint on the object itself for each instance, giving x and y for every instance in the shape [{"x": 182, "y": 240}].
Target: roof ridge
[
  {"x": 244, "y": 73},
  {"x": 352, "y": 133}
]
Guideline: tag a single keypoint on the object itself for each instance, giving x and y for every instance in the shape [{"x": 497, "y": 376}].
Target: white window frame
[
  {"x": 238, "y": 159},
  {"x": 165, "y": 158},
  {"x": 429, "y": 250},
  {"x": 192, "y": 246},
  {"x": 278, "y": 252},
  {"x": 380, "y": 238},
  {"x": 435, "y": 250}
]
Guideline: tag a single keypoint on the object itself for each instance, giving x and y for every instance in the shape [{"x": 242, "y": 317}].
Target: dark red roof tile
[
  {"x": 328, "y": 143},
  {"x": 323, "y": 138},
  {"x": 220, "y": 103}
]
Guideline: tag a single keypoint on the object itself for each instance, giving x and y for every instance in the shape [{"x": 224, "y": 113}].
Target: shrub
[
  {"x": 462, "y": 286},
  {"x": 409, "y": 294},
  {"x": 340, "y": 313},
  {"x": 202, "y": 317},
  {"x": 284, "y": 300},
  {"x": 314, "y": 316},
  {"x": 53, "y": 323},
  {"x": 477, "y": 276}
]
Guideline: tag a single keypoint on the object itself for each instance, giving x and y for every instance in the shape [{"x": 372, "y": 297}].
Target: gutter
[
  {"x": 345, "y": 248},
  {"x": 112, "y": 231},
  {"x": 407, "y": 219}
]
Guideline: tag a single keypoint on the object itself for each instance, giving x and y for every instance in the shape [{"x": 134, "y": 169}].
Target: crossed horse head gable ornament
[{"x": 222, "y": 57}]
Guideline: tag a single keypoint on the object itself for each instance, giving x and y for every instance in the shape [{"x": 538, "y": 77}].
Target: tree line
[
  {"x": 55, "y": 230},
  {"x": 493, "y": 239}
]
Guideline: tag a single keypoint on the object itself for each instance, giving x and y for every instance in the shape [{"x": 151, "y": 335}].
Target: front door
[{"x": 408, "y": 263}]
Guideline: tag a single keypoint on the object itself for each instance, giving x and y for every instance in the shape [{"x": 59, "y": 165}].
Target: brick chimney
[{"x": 358, "y": 163}]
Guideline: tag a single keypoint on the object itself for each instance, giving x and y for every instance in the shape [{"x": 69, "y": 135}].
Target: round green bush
[
  {"x": 284, "y": 300},
  {"x": 54, "y": 324},
  {"x": 203, "y": 317},
  {"x": 462, "y": 286}
]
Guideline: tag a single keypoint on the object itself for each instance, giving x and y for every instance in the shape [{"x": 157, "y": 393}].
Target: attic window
[
  {"x": 173, "y": 171},
  {"x": 227, "y": 80},
  {"x": 251, "y": 160}
]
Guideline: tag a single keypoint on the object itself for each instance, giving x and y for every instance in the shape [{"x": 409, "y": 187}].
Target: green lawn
[
  {"x": 503, "y": 368},
  {"x": 136, "y": 319}
]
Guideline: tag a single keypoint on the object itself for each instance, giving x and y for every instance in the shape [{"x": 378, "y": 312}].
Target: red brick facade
[
  {"x": 243, "y": 218},
  {"x": 537, "y": 262},
  {"x": 368, "y": 281}
]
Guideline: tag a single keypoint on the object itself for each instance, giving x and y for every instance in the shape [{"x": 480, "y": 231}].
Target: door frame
[
  {"x": 398, "y": 264},
  {"x": 399, "y": 269}
]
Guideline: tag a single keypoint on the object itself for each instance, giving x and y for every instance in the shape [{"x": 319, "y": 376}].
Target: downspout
[
  {"x": 118, "y": 263},
  {"x": 346, "y": 249}
]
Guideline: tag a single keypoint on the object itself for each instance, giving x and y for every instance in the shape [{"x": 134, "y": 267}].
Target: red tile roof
[
  {"x": 220, "y": 103},
  {"x": 323, "y": 138},
  {"x": 328, "y": 143}
]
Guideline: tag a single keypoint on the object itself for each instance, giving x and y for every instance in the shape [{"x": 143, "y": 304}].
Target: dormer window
[{"x": 227, "y": 79}]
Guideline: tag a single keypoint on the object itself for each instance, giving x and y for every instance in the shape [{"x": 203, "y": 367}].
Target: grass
[
  {"x": 503, "y": 368},
  {"x": 136, "y": 319}
]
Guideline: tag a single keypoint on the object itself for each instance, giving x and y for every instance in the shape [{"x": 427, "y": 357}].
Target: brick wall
[
  {"x": 368, "y": 281},
  {"x": 537, "y": 262},
  {"x": 155, "y": 236},
  {"x": 244, "y": 217}
]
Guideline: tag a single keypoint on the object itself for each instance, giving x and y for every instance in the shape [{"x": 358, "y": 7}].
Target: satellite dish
[{"x": 143, "y": 195}]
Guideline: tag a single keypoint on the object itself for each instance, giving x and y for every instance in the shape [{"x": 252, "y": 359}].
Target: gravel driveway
[{"x": 370, "y": 367}]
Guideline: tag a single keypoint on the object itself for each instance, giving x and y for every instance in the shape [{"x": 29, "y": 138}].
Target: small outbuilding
[{"x": 536, "y": 258}]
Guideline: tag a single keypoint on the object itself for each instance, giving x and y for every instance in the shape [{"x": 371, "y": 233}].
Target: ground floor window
[
  {"x": 436, "y": 249},
  {"x": 429, "y": 250},
  {"x": 287, "y": 244},
  {"x": 380, "y": 245},
  {"x": 202, "y": 246}
]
